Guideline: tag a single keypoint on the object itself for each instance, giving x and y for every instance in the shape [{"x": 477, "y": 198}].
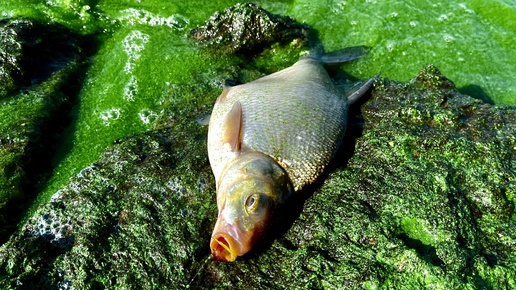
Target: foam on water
[
  {"x": 110, "y": 115},
  {"x": 134, "y": 43},
  {"x": 131, "y": 89},
  {"x": 147, "y": 116},
  {"x": 138, "y": 16}
]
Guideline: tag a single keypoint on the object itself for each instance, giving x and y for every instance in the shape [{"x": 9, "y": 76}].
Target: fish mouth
[
  {"x": 223, "y": 248},
  {"x": 228, "y": 242}
]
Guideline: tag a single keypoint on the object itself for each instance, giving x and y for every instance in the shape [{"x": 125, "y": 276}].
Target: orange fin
[{"x": 232, "y": 127}]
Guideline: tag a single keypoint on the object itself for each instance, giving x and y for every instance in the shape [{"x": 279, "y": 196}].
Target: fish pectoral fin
[
  {"x": 359, "y": 91},
  {"x": 232, "y": 127}
]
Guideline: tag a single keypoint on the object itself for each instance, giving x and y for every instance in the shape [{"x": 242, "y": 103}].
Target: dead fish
[{"x": 269, "y": 138}]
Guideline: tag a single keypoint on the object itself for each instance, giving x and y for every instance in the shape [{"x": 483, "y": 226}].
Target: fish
[{"x": 269, "y": 138}]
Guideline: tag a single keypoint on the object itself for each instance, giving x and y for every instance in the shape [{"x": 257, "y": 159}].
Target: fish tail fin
[
  {"x": 359, "y": 91},
  {"x": 340, "y": 56}
]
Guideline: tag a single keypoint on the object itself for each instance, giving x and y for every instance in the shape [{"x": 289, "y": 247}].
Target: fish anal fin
[
  {"x": 359, "y": 91},
  {"x": 232, "y": 128}
]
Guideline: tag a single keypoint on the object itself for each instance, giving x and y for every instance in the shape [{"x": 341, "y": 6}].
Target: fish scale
[{"x": 297, "y": 116}]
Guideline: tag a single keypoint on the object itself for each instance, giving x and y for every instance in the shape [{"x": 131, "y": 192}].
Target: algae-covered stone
[
  {"x": 246, "y": 28},
  {"x": 426, "y": 200},
  {"x": 135, "y": 217},
  {"x": 31, "y": 51},
  {"x": 10, "y": 53},
  {"x": 44, "y": 61}
]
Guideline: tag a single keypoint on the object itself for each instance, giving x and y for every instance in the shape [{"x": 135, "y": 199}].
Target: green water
[{"x": 144, "y": 54}]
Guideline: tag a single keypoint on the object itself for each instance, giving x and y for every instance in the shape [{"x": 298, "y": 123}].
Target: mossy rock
[
  {"x": 247, "y": 28},
  {"x": 422, "y": 196}
]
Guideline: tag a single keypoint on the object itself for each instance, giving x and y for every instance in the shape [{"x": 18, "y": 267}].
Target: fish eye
[{"x": 252, "y": 202}]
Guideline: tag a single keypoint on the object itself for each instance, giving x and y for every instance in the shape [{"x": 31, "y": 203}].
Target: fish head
[{"x": 252, "y": 187}]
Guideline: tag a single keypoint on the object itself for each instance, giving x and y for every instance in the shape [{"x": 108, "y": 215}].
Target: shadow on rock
[
  {"x": 476, "y": 92},
  {"x": 41, "y": 77}
]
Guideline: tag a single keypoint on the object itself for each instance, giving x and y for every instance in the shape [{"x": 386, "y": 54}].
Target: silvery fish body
[
  {"x": 266, "y": 140},
  {"x": 297, "y": 116}
]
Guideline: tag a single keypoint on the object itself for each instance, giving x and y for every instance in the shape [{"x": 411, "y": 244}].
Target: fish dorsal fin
[
  {"x": 223, "y": 95},
  {"x": 232, "y": 127}
]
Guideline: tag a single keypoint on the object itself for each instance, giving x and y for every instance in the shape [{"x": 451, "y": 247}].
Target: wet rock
[
  {"x": 425, "y": 200},
  {"x": 247, "y": 28}
]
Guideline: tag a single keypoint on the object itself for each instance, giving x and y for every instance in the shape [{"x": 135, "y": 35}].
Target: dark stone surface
[{"x": 246, "y": 29}]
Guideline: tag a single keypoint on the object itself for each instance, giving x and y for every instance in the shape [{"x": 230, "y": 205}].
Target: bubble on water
[
  {"x": 413, "y": 23},
  {"x": 56, "y": 196},
  {"x": 147, "y": 116},
  {"x": 459, "y": 56},
  {"x": 339, "y": 7},
  {"x": 465, "y": 8},
  {"x": 131, "y": 89},
  {"x": 390, "y": 46},
  {"x": 110, "y": 115},
  {"x": 75, "y": 187},
  {"x": 129, "y": 66},
  {"x": 134, "y": 43},
  {"x": 448, "y": 37},
  {"x": 442, "y": 17},
  {"x": 176, "y": 185},
  {"x": 86, "y": 171},
  {"x": 54, "y": 228},
  {"x": 394, "y": 14}
]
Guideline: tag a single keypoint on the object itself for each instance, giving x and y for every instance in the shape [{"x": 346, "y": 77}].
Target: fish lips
[{"x": 228, "y": 241}]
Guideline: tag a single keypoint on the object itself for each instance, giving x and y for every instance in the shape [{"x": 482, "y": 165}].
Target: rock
[
  {"x": 10, "y": 54},
  {"x": 425, "y": 200},
  {"x": 247, "y": 28},
  {"x": 39, "y": 70},
  {"x": 31, "y": 51},
  {"x": 133, "y": 218}
]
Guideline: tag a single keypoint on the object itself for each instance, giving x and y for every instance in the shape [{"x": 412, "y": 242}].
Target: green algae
[
  {"x": 465, "y": 39},
  {"x": 33, "y": 124},
  {"x": 10, "y": 54},
  {"x": 146, "y": 74}
]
